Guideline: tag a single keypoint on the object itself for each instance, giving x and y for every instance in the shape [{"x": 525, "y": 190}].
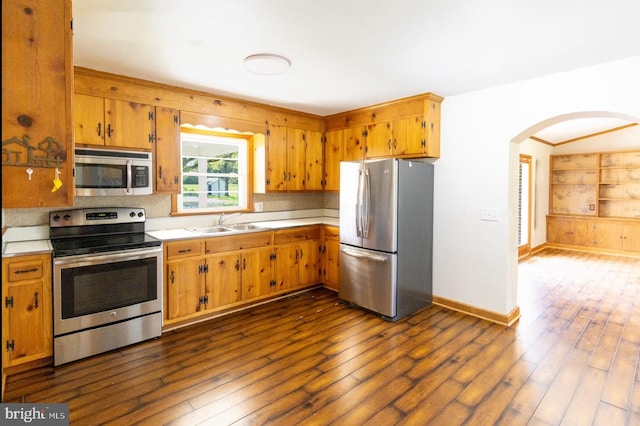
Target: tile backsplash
[{"x": 158, "y": 206}]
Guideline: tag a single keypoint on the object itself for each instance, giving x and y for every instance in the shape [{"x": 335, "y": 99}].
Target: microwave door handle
[{"x": 129, "y": 163}]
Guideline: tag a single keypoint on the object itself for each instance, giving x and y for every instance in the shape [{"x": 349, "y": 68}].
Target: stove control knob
[
  {"x": 66, "y": 217},
  {"x": 132, "y": 214},
  {"x": 140, "y": 214},
  {"x": 56, "y": 218}
]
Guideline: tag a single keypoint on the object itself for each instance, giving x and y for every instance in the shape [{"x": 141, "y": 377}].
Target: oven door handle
[
  {"x": 129, "y": 177},
  {"x": 84, "y": 259}
]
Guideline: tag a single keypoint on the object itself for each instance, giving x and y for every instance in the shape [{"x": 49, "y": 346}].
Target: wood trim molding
[
  {"x": 508, "y": 320},
  {"x": 611, "y": 252},
  {"x": 615, "y": 129}
]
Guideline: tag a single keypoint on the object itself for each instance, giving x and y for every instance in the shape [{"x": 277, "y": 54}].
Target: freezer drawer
[{"x": 368, "y": 279}]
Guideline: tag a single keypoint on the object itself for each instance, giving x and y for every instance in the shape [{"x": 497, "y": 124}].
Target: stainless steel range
[{"x": 107, "y": 281}]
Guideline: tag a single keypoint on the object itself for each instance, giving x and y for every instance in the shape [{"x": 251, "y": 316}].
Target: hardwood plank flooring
[{"x": 572, "y": 359}]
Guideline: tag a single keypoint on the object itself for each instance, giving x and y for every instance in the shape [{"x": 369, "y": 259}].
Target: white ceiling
[{"x": 347, "y": 54}]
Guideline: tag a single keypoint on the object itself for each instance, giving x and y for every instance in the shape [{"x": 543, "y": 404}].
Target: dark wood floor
[{"x": 571, "y": 360}]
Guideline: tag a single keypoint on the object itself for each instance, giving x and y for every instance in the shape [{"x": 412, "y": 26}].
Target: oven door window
[
  {"x": 91, "y": 289},
  {"x": 101, "y": 175}
]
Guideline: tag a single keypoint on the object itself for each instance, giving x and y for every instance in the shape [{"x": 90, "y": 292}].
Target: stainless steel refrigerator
[{"x": 386, "y": 235}]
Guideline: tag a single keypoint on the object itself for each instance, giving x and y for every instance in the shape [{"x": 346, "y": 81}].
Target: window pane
[{"x": 214, "y": 173}]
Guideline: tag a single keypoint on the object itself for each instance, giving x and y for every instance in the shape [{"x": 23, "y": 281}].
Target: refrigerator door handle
[
  {"x": 358, "y": 255},
  {"x": 359, "y": 204},
  {"x": 366, "y": 203}
]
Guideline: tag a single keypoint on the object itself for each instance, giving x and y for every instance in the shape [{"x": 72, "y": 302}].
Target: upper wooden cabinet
[
  {"x": 167, "y": 150},
  {"x": 294, "y": 159},
  {"x": 405, "y": 128},
  {"x": 37, "y": 82},
  {"x": 113, "y": 123},
  {"x": 333, "y": 142},
  {"x": 314, "y": 160}
]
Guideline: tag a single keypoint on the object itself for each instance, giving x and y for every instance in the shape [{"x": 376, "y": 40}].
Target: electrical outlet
[
  {"x": 489, "y": 214},
  {"x": 257, "y": 207}
]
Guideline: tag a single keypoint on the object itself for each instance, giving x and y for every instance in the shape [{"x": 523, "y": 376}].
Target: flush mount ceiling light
[{"x": 266, "y": 63}]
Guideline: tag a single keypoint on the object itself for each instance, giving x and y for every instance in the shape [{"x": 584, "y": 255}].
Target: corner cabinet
[
  {"x": 37, "y": 87},
  {"x": 331, "y": 256},
  {"x": 27, "y": 328},
  {"x": 595, "y": 201},
  {"x": 405, "y": 128}
]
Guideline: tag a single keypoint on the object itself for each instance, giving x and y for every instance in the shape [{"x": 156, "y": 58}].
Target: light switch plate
[
  {"x": 257, "y": 207},
  {"x": 489, "y": 214}
]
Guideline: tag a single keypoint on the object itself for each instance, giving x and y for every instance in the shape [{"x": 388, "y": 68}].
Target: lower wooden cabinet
[
  {"x": 27, "y": 328},
  {"x": 297, "y": 258},
  {"x": 570, "y": 231},
  {"x": 223, "y": 280},
  {"x": 620, "y": 235},
  {"x": 617, "y": 235},
  {"x": 257, "y": 272},
  {"x": 331, "y": 257},
  {"x": 212, "y": 274}
]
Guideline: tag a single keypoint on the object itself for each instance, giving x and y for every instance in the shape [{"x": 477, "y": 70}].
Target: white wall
[{"x": 475, "y": 262}]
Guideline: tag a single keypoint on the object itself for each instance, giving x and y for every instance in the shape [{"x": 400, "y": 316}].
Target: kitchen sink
[
  {"x": 243, "y": 227},
  {"x": 211, "y": 230},
  {"x": 226, "y": 228}
]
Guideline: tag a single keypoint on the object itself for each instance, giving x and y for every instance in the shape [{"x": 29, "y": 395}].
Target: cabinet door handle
[
  {"x": 35, "y": 295},
  {"x": 173, "y": 276},
  {"x": 244, "y": 263},
  {"x": 238, "y": 265},
  {"x": 99, "y": 129}
]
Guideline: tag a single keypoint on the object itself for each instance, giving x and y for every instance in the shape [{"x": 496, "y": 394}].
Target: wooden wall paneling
[{"x": 37, "y": 81}]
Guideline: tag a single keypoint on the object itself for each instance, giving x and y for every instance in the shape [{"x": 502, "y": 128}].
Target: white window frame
[{"x": 242, "y": 141}]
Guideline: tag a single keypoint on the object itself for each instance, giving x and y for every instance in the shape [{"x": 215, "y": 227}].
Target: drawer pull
[
  {"x": 25, "y": 271},
  {"x": 185, "y": 251}
]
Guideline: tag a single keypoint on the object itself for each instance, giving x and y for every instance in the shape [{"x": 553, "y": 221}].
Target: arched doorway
[{"x": 539, "y": 203}]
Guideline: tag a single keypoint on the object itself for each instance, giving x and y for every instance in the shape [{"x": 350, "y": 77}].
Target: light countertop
[
  {"x": 181, "y": 233},
  {"x": 17, "y": 248},
  {"x": 24, "y": 241}
]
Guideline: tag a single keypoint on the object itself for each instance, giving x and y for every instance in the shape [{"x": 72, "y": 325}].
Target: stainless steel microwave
[{"x": 112, "y": 172}]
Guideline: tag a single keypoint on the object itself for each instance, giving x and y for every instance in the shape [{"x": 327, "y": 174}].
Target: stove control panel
[{"x": 99, "y": 216}]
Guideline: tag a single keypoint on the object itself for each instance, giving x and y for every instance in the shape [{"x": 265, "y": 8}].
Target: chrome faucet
[{"x": 222, "y": 218}]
